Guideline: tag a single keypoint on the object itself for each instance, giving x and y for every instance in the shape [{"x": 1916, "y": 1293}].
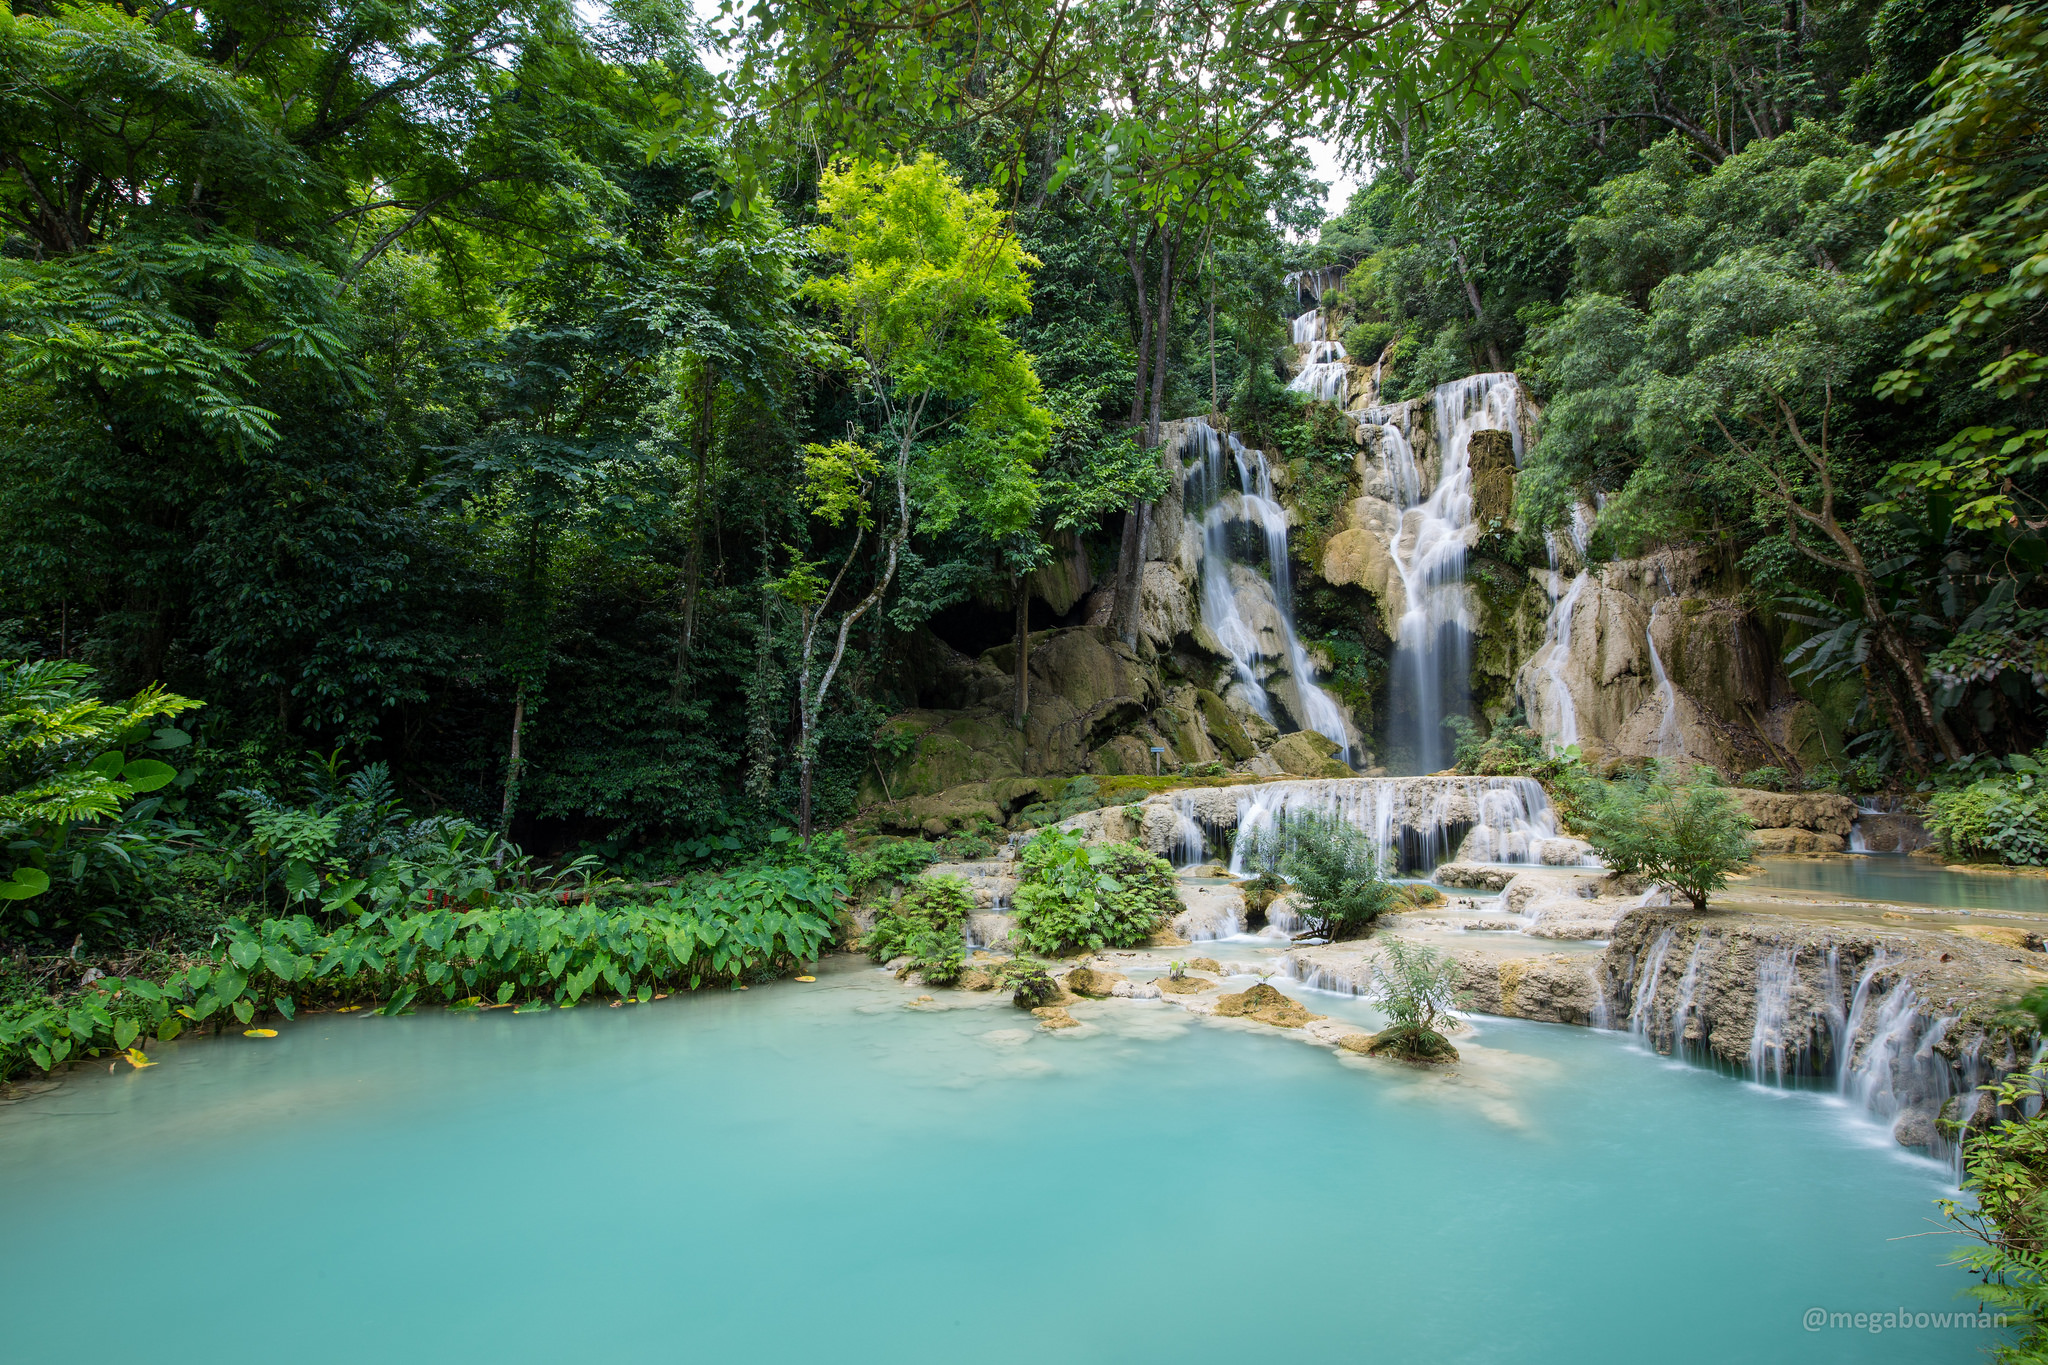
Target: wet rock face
[
  {"x": 1903, "y": 1020},
  {"x": 1775, "y": 842},
  {"x": 1884, "y": 833},
  {"x": 1820, "y": 812},
  {"x": 1550, "y": 987},
  {"x": 1472, "y": 876}
]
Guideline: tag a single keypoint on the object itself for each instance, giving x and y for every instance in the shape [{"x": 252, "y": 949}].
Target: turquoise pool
[{"x": 820, "y": 1173}]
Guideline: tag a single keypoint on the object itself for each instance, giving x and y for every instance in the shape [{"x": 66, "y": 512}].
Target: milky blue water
[
  {"x": 1894, "y": 877},
  {"x": 819, "y": 1173}
]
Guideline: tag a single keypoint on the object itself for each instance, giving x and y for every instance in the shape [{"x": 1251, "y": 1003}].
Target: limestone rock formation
[{"x": 1266, "y": 1005}]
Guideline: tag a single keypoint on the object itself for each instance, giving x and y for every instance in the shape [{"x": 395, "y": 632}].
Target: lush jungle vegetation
[{"x": 515, "y": 455}]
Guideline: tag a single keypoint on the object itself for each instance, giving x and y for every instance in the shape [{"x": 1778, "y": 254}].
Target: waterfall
[
  {"x": 1770, "y": 1049},
  {"x": 1433, "y": 643},
  {"x": 1415, "y": 823},
  {"x": 1308, "y": 327},
  {"x": 1639, "y": 1020},
  {"x": 1248, "y": 605},
  {"x": 1324, "y": 375},
  {"x": 1666, "y": 738},
  {"x": 1688, "y": 987},
  {"x": 1553, "y": 712}
]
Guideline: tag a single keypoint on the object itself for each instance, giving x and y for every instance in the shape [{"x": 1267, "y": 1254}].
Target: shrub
[
  {"x": 1416, "y": 987},
  {"x": 2002, "y": 818},
  {"x": 1078, "y": 796},
  {"x": 1768, "y": 779},
  {"x": 892, "y": 860},
  {"x": 927, "y": 924},
  {"x": 71, "y": 767},
  {"x": 1332, "y": 867},
  {"x": 1510, "y": 749},
  {"x": 1072, "y": 895},
  {"x": 1030, "y": 985},
  {"x": 748, "y": 923},
  {"x": 2007, "y": 1181},
  {"x": 1686, "y": 835}
]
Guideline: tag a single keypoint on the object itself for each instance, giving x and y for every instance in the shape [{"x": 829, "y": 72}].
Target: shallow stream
[{"x": 828, "y": 1172}]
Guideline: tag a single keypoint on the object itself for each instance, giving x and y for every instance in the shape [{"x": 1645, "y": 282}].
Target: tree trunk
[
  {"x": 1136, "y": 256},
  {"x": 686, "y": 606},
  {"x": 512, "y": 764},
  {"x": 1023, "y": 587},
  {"x": 1162, "y": 335},
  {"x": 1215, "y": 403},
  {"x": 1478, "y": 313},
  {"x": 1130, "y": 572}
]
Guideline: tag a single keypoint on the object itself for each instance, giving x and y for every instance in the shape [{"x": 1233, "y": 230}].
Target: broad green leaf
[
  {"x": 148, "y": 774},
  {"x": 245, "y": 951},
  {"x": 245, "y": 1009}
]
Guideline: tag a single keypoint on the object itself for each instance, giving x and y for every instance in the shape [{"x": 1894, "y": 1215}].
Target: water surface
[
  {"x": 818, "y": 1173},
  {"x": 1899, "y": 879}
]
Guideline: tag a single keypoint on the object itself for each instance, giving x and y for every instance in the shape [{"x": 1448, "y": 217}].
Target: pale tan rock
[{"x": 1055, "y": 1017}]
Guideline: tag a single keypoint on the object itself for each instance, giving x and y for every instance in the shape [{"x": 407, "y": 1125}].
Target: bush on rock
[
  {"x": 927, "y": 924},
  {"x": 1073, "y": 896}
]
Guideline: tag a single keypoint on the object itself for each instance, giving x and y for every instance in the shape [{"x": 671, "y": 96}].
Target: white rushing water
[
  {"x": 1546, "y": 693},
  {"x": 1415, "y": 823},
  {"x": 1877, "y": 1045},
  {"x": 1666, "y": 738},
  {"x": 1247, "y": 586},
  {"x": 1433, "y": 642},
  {"x": 1308, "y": 328},
  {"x": 1324, "y": 375}
]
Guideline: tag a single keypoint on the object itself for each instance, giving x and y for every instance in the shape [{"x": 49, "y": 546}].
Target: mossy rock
[
  {"x": 1266, "y": 1005},
  {"x": 1205, "y": 964},
  {"x": 1186, "y": 985},
  {"x": 1224, "y": 731},
  {"x": 1092, "y": 983},
  {"x": 1305, "y": 753},
  {"x": 1411, "y": 1043}
]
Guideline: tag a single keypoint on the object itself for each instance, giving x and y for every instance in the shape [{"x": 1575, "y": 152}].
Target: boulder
[
  {"x": 1472, "y": 876},
  {"x": 1900, "y": 833},
  {"x": 1205, "y": 964},
  {"x": 1266, "y": 1005},
  {"x": 1824, "y": 812},
  {"x": 1224, "y": 731},
  {"x": 1186, "y": 985},
  {"x": 1055, "y": 1017},
  {"x": 940, "y": 813},
  {"x": 1090, "y": 982},
  {"x": 1164, "y": 937},
  {"x": 1777, "y": 842},
  {"x": 1914, "y": 1128},
  {"x": 1305, "y": 753}
]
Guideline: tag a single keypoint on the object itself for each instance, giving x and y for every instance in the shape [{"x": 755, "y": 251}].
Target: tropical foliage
[
  {"x": 1073, "y": 896},
  {"x": 1670, "y": 825}
]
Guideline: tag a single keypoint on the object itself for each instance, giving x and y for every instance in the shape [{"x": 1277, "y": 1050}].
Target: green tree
[
  {"x": 1683, "y": 831},
  {"x": 1333, "y": 868},
  {"x": 929, "y": 273}
]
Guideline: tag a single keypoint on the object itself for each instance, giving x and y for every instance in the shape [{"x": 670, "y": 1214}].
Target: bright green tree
[{"x": 928, "y": 273}]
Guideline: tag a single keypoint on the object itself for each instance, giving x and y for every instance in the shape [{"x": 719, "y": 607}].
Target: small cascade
[
  {"x": 1546, "y": 695},
  {"x": 1324, "y": 375},
  {"x": 1433, "y": 644},
  {"x": 1308, "y": 328},
  {"x": 1666, "y": 738},
  {"x": 1247, "y": 586},
  {"x": 1688, "y": 987},
  {"x": 1415, "y": 823},
  {"x": 1773, "y": 1055},
  {"x": 1639, "y": 1015}
]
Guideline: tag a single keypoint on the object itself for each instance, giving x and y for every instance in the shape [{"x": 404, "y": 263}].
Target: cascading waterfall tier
[
  {"x": 1247, "y": 586},
  {"x": 1324, "y": 375},
  {"x": 1873, "y": 1041},
  {"x": 1433, "y": 642},
  {"x": 1415, "y": 822}
]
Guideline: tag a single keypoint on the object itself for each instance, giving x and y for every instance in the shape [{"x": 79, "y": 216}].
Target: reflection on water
[{"x": 832, "y": 1173}]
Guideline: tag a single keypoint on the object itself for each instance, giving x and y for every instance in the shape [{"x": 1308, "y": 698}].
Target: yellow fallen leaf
[
  {"x": 807, "y": 978},
  {"x": 259, "y": 1033},
  {"x": 134, "y": 1057},
  {"x": 348, "y": 1009}
]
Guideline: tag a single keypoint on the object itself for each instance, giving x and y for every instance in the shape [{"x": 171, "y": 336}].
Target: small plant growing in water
[
  {"x": 1177, "y": 970},
  {"x": 1416, "y": 987}
]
